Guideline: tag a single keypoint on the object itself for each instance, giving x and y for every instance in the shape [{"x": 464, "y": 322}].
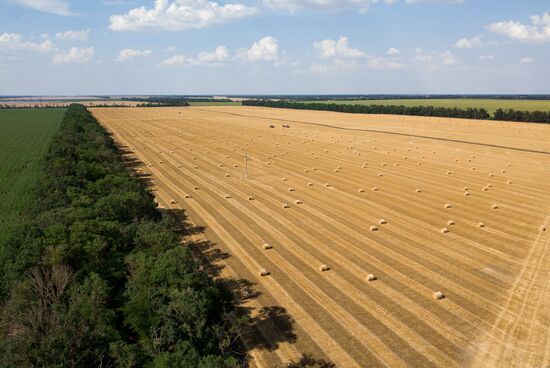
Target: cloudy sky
[{"x": 274, "y": 46}]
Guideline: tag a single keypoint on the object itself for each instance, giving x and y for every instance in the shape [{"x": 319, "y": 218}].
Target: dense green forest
[
  {"x": 98, "y": 277},
  {"x": 470, "y": 113}
]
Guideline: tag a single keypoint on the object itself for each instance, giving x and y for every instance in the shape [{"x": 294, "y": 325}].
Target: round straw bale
[
  {"x": 285, "y": 205},
  {"x": 291, "y": 189},
  {"x": 297, "y": 201},
  {"x": 309, "y": 184},
  {"x": 494, "y": 207},
  {"x": 187, "y": 195},
  {"x": 173, "y": 201},
  {"x": 250, "y": 198},
  {"x": 179, "y": 166},
  {"x": 418, "y": 190},
  {"x": 196, "y": 188},
  {"x": 227, "y": 196},
  {"x": 375, "y": 189},
  {"x": 373, "y": 228},
  {"x": 382, "y": 222},
  {"x": 480, "y": 224},
  {"x": 264, "y": 272},
  {"x": 542, "y": 228},
  {"x": 450, "y": 222},
  {"x": 449, "y": 172},
  {"x": 267, "y": 246},
  {"x": 323, "y": 268},
  {"x": 379, "y": 174},
  {"x": 447, "y": 205},
  {"x": 491, "y": 175},
  {"x": 227, "y": 175},
  {"x": 438, "y": 295},
  {"x": 509, "y": 182},
  {"x": 327, "y": 185},
  {"x": 361, "y": 190},
  {"x": 284, "y": 179},
  {"x": 371, "y": 277},
  {"x": 444, "y": 230},
  {"x": 466, "y": 194}
]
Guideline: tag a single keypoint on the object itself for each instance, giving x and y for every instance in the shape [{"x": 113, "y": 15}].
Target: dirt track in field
[{"x": 496, "y": 309}]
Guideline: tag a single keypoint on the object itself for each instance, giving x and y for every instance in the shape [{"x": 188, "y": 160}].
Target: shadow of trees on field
[
  {"x": 265, "y": 327},
  {"x": 307, "y": 360}
]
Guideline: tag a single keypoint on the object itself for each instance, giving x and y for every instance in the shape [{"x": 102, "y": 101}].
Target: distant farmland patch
[
  {"x": 491, "y": 105},
  {"x": 214, "y": 103},
  {"x": 24, "y": 139}
]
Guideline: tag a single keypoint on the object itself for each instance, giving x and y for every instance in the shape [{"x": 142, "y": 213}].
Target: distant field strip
[
  {"x": 403, "y": 134},
  {"x": 24, "y": 139},
  {"x": 487, "y": 104},
  {"x": 314, "y": 193}
]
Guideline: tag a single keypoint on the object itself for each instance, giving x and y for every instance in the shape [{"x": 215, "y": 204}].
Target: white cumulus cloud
[
  {"x": 435, "y": 60},
  {"x": 393, "y": 51},
  {"x": 179, "y": 15},
  {"x": 527, "y": 60},
  {"x": 16, "y": 42},
  {"x": 536, "y": 33},
  {"x": 474, "y": 42},
  {"x": 337, "y": 49},
  {"x": 73, "y": 35},
  {"x": 58, "y": 7},
  {"x": 75, "y": 55},
  {"x": 129, "y": 54},
  {"x": 266, "y": 49},
  {"x": 207, "y": 58}
]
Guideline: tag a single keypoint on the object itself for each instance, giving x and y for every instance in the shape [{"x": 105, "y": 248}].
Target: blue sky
[{"x": 274, "y": 46}]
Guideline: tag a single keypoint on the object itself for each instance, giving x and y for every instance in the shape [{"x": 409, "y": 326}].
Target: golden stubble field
[{"x": 400, "y": 198}]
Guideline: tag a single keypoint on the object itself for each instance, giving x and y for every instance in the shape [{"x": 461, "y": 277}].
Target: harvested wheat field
[{"x": 372, "y": 241}]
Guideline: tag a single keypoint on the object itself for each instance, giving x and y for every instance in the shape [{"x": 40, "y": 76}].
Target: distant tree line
[
  {"x": 393, "y": 97},
  {"x": 522, "y": 116},
  {"x": 376, "y": 109},
  {"x": 158, "y": 101},
  {"x": 99, "y": 277},
  {"x": 470, "y": 113}
]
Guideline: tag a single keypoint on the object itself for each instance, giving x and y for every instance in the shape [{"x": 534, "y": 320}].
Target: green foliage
[
  {"x": 376, "y": 109},
  {"x": 489, "y": 103},
  {"x": 99, "y": 277},
  {"x": 414, "y": 107}
]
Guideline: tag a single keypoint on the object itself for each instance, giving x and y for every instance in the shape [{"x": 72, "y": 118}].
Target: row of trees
[
  {"x": 376, "y": 109},
  {"x": 158, "y": 101},
  {"x": 470, "y": 113},
  {"x": 99, "y": 277},
  {"x": 523, "y": 116}
]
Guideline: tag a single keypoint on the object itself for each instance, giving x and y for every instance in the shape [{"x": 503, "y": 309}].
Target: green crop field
[
  {"x": 24, "y": 139},
  {"x": 489, "y": 105}
]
